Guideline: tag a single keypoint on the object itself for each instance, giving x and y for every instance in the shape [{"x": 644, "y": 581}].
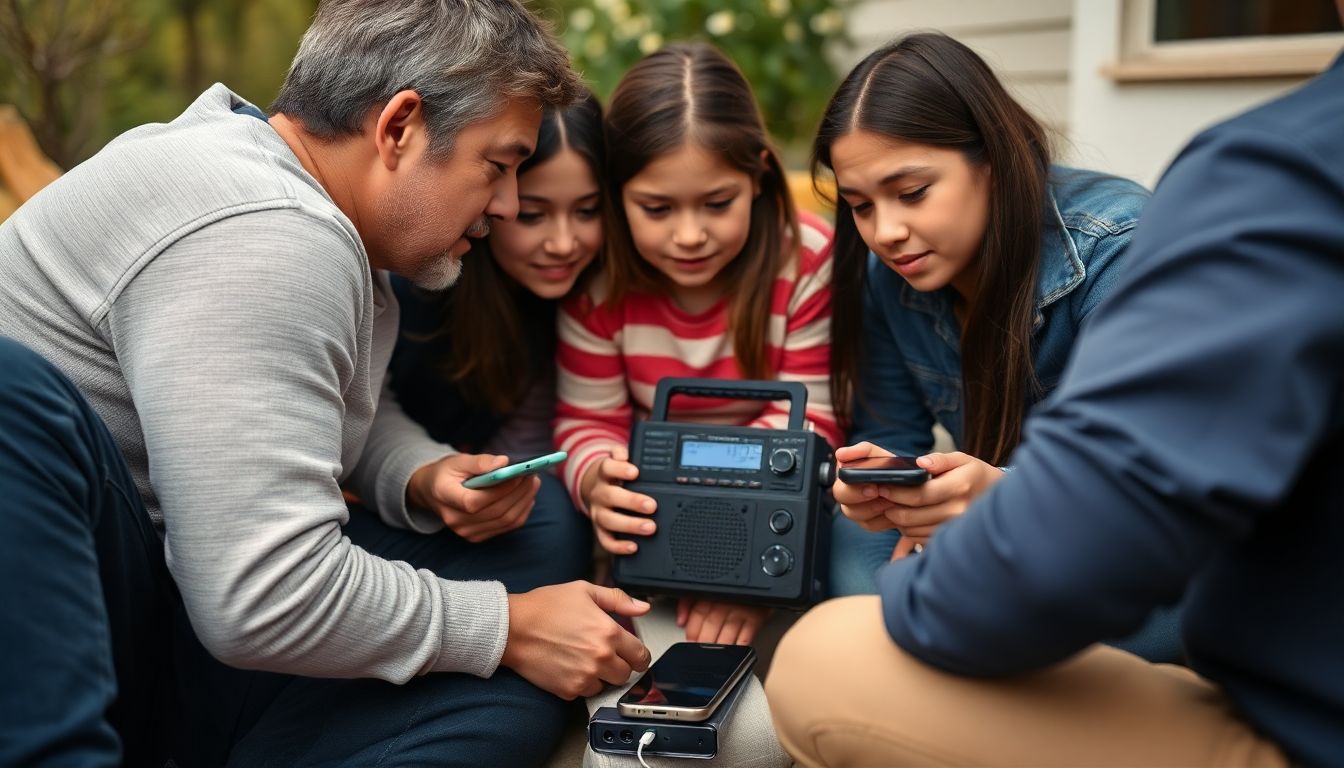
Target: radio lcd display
[{"x": 707, "y": 455}]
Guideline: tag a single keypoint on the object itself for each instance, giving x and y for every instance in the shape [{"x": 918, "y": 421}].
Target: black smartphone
[
  {"x": 688, "y": 682},
  {"x": 890, "y": 470}
]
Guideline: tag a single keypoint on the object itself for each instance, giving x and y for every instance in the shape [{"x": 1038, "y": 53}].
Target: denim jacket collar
[{"x": 1060, "y": 271}]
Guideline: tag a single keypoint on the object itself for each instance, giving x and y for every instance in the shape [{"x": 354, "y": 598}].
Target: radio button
[
  {"x": 711, "y": 481},
  {"x": 739, "y": 483},
  {"x": 683, "y": 480},
  {"x": 695, "y": 481},
  {"x": 753, "y": 483},
  {"x": 777, "y": 560},
  {"x": 782, "y": 461},
  {"x": 781, "y": 521}
]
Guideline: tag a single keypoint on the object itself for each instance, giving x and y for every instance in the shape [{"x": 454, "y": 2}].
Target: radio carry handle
[{"x": 793, "y": 391}]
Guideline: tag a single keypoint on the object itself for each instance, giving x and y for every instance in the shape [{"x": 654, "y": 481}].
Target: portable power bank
[{"x": 610, "y": 732}]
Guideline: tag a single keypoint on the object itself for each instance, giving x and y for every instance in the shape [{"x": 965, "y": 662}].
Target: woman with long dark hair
[{"x": 965, "y": 262}]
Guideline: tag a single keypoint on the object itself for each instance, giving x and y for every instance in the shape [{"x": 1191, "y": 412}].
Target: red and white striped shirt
[{"x": 610, "y": 359}]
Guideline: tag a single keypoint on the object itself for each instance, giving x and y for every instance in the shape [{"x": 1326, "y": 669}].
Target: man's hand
[
  {"x": 862, "y": 503},
  {"x": 474, "y": 515},
  {"x": 610, "y": 505},
  {"x": 562, "y": 640},
  {"x": 710, "y": 621}
]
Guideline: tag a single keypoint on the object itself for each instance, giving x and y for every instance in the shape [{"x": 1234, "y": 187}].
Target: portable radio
[{"x": 743, "y": 512}]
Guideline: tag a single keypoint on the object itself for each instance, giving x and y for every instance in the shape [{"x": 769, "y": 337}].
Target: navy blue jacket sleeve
[{"x": 1197, "y": 393}]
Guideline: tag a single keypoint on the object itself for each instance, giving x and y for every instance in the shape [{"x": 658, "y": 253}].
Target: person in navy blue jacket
[{"x": 1192, "y": 446}]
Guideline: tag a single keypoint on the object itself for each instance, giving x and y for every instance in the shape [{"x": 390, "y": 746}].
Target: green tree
[
  {"x": 54, "y": 51},
  {"x": 83, "y": 71},
  {"x": 780, "y": 45}
]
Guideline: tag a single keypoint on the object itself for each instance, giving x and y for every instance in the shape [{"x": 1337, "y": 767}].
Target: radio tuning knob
[
  {"x": 826, "y": 474},
  {"x": 782, "y": 461}
]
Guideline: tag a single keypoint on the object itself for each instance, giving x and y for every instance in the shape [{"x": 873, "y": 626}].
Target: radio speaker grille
[{"x": 709, "y": 538}]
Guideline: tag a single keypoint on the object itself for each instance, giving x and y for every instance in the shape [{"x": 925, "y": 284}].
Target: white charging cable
[{"x": 645, "y": 739}]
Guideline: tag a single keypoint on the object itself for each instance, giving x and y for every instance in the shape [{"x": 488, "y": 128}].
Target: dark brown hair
[
  {"x": 930, "y": 89},
  {"x": 492, "y": 356},
  {"x": 690, "y": 93}
]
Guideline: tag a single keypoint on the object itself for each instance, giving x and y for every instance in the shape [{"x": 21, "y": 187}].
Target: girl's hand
[
  {"x": 612, "y": 507},
  {"x": 862, "y": 503},
  {"x": 710, "y": 621},
  {"x": 956, "y": 479}
]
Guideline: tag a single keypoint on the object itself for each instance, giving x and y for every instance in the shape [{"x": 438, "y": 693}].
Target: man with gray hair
[{"x": 199, "y": 323}]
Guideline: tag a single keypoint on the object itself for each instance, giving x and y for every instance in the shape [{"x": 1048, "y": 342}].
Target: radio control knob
[
  {"x": 782, "y": 461},
  {"x": 781, "y": 521},
  {"x": 826, "y": 474},
  {"x": 777, "y": 560}
]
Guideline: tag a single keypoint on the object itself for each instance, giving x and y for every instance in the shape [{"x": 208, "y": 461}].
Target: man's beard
[
  {"x": 444, "y": 270},
  {"x": 440, "y": 273}
]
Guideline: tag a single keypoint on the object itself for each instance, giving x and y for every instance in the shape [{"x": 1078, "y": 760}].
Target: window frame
[{"x": 1141, "y": 59}]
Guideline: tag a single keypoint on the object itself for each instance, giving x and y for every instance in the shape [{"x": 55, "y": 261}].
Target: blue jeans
[
  {"x": 856, "y": 556},
  {"x": 98, "y": 663}
]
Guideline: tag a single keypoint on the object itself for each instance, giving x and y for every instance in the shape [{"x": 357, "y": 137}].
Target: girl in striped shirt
[{"x": 710, "y": 274}]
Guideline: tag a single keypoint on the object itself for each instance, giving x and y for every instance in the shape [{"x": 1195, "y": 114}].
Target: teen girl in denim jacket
[{"x": 965, "y": 264}]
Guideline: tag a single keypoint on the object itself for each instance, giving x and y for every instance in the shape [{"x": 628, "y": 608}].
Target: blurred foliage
[
  {"x": 780, "y": 45},
  {"x": 83, "y": 71}
]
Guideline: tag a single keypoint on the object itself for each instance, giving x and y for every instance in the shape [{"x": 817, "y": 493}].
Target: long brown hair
[
  {"x": 930, "y": 89},
  {"x": 692, "y": 93},
  {"x": 493, "y": 357}
]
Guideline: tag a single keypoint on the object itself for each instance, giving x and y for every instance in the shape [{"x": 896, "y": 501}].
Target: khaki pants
[{"x": 843, "y": 694}]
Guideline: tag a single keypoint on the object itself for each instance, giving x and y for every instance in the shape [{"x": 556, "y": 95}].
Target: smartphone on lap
[
  {"x": 688, "y": 682},
  {"x": 528, "y": 466},
  {"x": 888, "y": 470}
]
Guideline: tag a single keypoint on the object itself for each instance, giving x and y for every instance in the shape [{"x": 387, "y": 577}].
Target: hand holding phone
[
  {"x": 528, "y": 466},
  {"x": 861, "y": 501},
  {"x": 688, "y": 682},
  {"x": 957, "y": 479},
  {"x": 475, "y": 515}
]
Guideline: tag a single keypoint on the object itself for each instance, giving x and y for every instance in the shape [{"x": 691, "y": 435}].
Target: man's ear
[{"x": 399, "y": 129}]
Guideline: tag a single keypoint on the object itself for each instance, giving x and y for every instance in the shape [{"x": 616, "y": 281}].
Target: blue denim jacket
[{"x": 910, "y": 366}]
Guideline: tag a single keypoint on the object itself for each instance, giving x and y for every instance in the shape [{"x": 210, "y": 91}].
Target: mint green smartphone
[{"x": 517, "y": 469}]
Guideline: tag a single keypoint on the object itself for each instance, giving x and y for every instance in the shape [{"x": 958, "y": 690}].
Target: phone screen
[
  {"x": 884, "y": 462},
  {"x": 688, "y": 675}
]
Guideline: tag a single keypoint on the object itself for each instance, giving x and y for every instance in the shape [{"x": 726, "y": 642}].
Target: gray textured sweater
[{"x": 218, "y": 310}]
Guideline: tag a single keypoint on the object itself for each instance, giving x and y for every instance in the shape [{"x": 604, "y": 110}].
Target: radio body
[{"x": 743, "y": 512}]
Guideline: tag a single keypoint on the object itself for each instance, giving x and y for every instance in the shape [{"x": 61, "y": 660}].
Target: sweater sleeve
[
  {"x": 238, "y": 343},
  {"x": 593, "y": 412},
  {"x": 396, "y": 448},
  {"x": 805, "y": 353}
]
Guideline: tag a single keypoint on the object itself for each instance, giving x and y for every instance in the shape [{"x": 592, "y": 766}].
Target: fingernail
[
  {"x": 924, "y": 461},
  {"x": 646, "y": 528},
  {"x": 648, "y": 506},
  {"x": 639, "y": 603}
]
